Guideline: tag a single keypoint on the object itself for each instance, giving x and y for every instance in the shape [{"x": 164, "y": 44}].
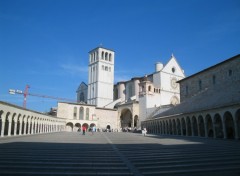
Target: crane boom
[{"x": 26, "y": 93}]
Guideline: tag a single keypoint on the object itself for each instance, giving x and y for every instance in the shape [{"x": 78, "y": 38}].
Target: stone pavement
[{"x": 68, "y": 153}]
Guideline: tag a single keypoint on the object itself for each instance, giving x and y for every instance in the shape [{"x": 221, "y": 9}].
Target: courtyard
[{"x": 71, "y": 153}]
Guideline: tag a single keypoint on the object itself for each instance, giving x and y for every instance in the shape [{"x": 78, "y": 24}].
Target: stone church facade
[
  {"x": 210, "y": 104},
  {"x": 125, "y": 104}
]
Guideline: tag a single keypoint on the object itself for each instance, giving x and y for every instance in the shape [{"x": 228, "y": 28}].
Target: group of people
[
  {"x": 93, "y": 129},
  {"x": 84, "y": 129}
]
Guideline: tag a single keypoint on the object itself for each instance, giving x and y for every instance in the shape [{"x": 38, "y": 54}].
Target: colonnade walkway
[{"x": 71, "y": 153}]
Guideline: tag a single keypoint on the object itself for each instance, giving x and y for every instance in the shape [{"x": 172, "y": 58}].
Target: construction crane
[{"x": 25, "y": 93}]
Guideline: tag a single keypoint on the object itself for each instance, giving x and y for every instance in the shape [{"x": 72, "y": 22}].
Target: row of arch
[
  {"x": 22, "y": 122},
  {"x": 104, "y": 56},
  {"x": 71, "y": 126},
  {"x": 224, "y": 124}
]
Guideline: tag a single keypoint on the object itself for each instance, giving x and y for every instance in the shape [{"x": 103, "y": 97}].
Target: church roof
[
  {"x": 100, "y": 47},
  {"x": 209, "y": 68},
  {"x": 206, "y": 99}
]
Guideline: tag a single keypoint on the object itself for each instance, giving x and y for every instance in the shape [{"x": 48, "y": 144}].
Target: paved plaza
[{"x": 70, "y": 153}]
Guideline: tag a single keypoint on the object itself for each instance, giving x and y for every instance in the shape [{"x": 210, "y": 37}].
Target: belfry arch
[{"x": 126, "y": 119}]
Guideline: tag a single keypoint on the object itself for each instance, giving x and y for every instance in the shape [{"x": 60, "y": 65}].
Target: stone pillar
[
  {"x": 3, "y": 128},
  {"x": 15, "y": 128},
  {"x": 29, "y": 125},
  {"x": 9, "y": 127},
  {"x": 20, "y": 128},
  {"x": 236, "y": 128},
  {"x": 25, "y": 127},
  {"x": 32, "y": 127},
  {"x": 224, "y": 129},
  {"x": 205, "y": 129}
]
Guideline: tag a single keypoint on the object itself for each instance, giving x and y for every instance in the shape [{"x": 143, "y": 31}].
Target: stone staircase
[{"x": 117, "y": 154}]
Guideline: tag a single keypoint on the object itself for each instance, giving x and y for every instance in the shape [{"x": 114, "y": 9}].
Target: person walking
[
  {"x": 93, "y": 129},
  {"x": 144, "y": 131},
  {"x": 83, "y": 130}
]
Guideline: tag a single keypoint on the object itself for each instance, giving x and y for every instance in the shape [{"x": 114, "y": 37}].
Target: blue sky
[{"x": 45, "y": 43}]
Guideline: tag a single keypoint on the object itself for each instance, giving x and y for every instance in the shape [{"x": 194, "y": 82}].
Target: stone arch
[
  {"x": 183, "y": 123},
  {"x": 170, "y": 127},
  {"x": 167, "y": 127},
  {"x": 178, "y": 127},
  {"x": 164, "y": 127},
  {"x": 229, "y": 125},
  {"x": 195, "y": 126},
  {"x": 69, "y": 126},
  {"x": 237, "y": 120},
  {"x": 174, "y": 127},
  {"x": 189, "y": 126},
  {"x": 218, "y": 127},
  {"x": 136, "y": 121},
  {"x": 6, "y": 126},
  {"x": 18, "y": 121},
  {"x": 174, "y": 100},
  {"x": 86, "y": 126},
  {"x": 161, "y": 127},
  {"x": 209, "y": 125},
  {"x": 201, "y": 126},
  {"x": 1, "y": 121},
  {"x": 126, "y": 118},
  {"x": 77, "y": 127}
]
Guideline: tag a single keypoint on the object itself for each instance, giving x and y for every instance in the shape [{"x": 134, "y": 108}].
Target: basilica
[{"x": 125, "y": 104}]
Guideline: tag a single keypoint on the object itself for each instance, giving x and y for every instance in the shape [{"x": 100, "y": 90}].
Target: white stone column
[
  {"x": 25, "y": 127},
  {"x": 20, "y": 127},
  {"x": 9, "y": 127},
  {"x": 35, "y": 126},
  {"x": 29, "y": 123},
  {"x": 3, "y": 128},
  {"x": 32, "y": 127},
  {"x": 15, "y": 128}
]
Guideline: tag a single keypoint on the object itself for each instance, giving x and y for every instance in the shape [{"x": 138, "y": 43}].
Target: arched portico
[{"x": 126, "y": 118}]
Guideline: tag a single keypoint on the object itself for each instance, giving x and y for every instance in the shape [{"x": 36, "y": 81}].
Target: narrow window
[
  {"x": 186, "y": 90},
  {"x": 106, "y": 68},
  {"x": 229, "y": 72},
  {"x": 200, "y": 84},
  {"x": 87, "y": 114},
  {"x": 214, "y": 79},
  {"x": 81, "y": 113},
  {"x": 75, "y": 113}
]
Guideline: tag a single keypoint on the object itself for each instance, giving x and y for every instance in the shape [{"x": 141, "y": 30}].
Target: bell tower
[{"x": 100, "y": 76}]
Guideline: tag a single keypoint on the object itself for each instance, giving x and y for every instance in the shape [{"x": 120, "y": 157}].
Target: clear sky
[{"x": 45, "y": 43}]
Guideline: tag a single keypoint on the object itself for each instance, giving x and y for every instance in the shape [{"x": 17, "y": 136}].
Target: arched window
[
  {"x": 102, "y": 67},
  {"x": 109, "y": 69},
  {"x": 102, "y": 55},
  {"x": 110, "y": 57},
  {"x": 75, "y": 113},
  {"x": 149, "y": 88},
  {"x": 106, "y": 68},
  {"x": 82, "y": 97},
  {"x": 106, "y": 56},
  {"x": 87, "y": 114},
  {"x": 81, "y": 113}
]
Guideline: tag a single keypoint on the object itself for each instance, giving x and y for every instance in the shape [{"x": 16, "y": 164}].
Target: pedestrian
[
  {"x": 144, "y": 131},
  {"x": 93, "y": 129},
  {"x": 83, "y": 130}
]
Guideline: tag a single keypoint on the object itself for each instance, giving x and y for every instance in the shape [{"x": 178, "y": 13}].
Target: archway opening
[
  {"x": 126, "y": 119},
  {"x": 189, "y": 127},
  {"x": 229, "y": 125},
  {"x": 195, "y": 126},
  {"x": 201, "y": 126},
  {"x": 183, "y": 126},
  {"x": 218, "y": 126},
  {"x": 238, "y": 123},
  {"x": 209, "y": 122},
  {"x": 69, "y": 126}
]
